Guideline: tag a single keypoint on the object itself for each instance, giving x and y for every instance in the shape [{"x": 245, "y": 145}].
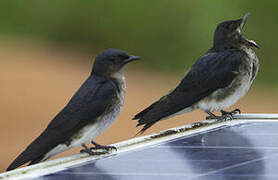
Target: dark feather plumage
[
  {"x": 89, "y": 102},
  {"x": 212, "y": 71}
]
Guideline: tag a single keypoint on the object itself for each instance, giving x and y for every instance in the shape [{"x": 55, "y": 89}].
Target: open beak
[
  {"x": 132, "y": 58},
  {"x": 243, "y": 21},
  {"x": 240, "y": 28}
]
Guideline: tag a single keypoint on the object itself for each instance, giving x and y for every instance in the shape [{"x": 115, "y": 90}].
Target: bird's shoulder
[
  {"x": 215, "y": 69},
  {"x": 215, "y": 59},
  {"x": 93, "y": 88}
]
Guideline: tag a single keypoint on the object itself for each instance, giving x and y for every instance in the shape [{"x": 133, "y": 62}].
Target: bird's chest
[{"x": 225, "y": 97}]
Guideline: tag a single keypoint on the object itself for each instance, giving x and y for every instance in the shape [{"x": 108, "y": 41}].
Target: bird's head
[
  {"x": 229, "y": 34},
  {"x": 111, "y": 62}
]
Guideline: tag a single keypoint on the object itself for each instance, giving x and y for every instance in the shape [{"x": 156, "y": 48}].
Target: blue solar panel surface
[{"x": 239, "y": 152}]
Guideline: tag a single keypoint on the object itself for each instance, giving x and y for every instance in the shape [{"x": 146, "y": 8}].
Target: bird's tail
[
  {"x": 23, "y": 158},
  {"x": 149, "y": 116},
  {"x": 166, "y": 107},
  {"x": 34, "y": 153}
]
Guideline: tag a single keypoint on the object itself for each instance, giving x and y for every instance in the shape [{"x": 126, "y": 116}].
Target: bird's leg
[
  {"x": 89, "y": 151},
  {"x": 235, "y": 111},
  {"x": 222, "y": 117},
  {"x": 98, "y": 146},
  {"x": 211, "y": 115}
]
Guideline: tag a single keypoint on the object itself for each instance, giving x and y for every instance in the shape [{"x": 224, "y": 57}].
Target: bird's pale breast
[{"x": 225, "y": 97}]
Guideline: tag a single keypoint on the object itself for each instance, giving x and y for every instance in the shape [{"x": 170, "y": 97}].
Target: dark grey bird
[
  {"x": 216, "y": 81},
  {"x": 91, "y": 110}
]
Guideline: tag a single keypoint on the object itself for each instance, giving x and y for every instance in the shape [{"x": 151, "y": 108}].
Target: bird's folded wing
[
  {"x": 211, "y": 72},
  {"x": 85, "y": 107}
]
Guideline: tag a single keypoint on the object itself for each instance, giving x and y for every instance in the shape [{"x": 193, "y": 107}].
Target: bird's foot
[
  {"x": 223, "y": 117},
  {"x": 235, "y": 111},
  {"x": 89, "y": 151},
  {"x": 98, "y": 146}
]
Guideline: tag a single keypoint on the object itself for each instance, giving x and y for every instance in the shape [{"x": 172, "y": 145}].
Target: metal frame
[{"x": 56, "y": 165}]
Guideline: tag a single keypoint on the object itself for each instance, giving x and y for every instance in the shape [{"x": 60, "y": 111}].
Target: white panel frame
[{"x": 60, "y": 164}]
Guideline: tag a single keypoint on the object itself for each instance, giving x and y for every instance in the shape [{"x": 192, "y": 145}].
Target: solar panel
[{"x": 212, "y": 150}]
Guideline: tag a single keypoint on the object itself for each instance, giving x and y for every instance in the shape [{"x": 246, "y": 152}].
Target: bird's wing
[
  {"x": 209, "y": 73},
  {"x": 87, "y": 104}
]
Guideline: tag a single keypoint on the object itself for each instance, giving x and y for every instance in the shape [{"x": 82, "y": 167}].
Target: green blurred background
[
  {"x": 47, "y": 49},
  {"x": 170, "y": 35}
]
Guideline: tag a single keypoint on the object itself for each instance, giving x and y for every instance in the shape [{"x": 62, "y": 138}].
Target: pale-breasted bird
[
  {"x": 215, "y": 82},
  {"x": 91, "y": 110}
]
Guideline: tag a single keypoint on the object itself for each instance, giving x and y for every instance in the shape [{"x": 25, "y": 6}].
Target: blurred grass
[{"x": 170, "y": 35}]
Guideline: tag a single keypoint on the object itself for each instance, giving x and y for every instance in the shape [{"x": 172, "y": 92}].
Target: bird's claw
[
  {"x": 88, "y": 151},
  {"x": 220, "y": 118},
  {"x": 223, "y": 117},
  {"x": 235, "y": 111},
  {"x": 92, "y": 150},
  {"x": 226, "y": 117},
  {"x": 107, "y": 148}
]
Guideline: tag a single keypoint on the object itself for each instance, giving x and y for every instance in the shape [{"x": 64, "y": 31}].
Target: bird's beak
[
  {"x": 243, "y": 21},
  {"x": 132, "y": 58},
  {"x": 240, "y": 28}
]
